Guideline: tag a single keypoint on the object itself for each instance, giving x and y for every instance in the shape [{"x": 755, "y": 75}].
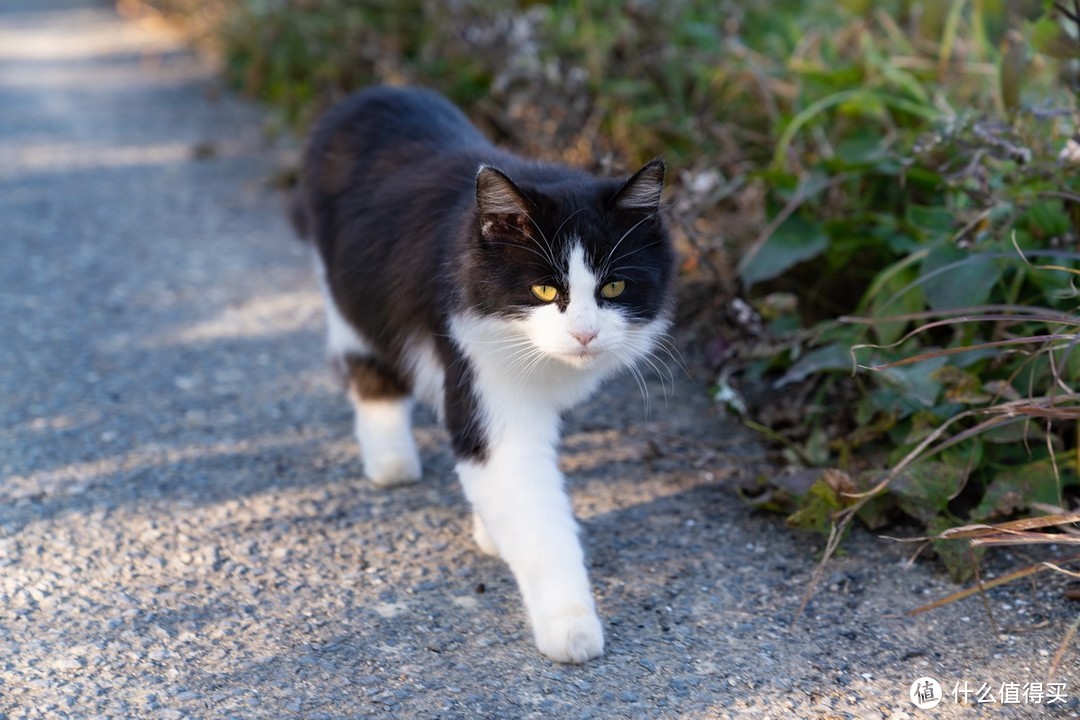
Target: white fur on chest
[
  {"x": 520, "y": 386},
  {"x": 426, "y": 371}
]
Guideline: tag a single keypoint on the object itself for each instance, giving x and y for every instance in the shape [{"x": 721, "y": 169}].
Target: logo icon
[{"x": 925, "y": 693}]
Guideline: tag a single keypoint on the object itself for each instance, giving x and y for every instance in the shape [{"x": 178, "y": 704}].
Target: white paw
[
  {"x": 572, "y": 637},
  {"x": 390, "y": 469},
  {"x": 386, "y": 442},
  {"x": 483, "y": 538}
]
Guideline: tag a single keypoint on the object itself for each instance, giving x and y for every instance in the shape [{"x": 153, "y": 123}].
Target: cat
[{"x": 497, "y": 290}]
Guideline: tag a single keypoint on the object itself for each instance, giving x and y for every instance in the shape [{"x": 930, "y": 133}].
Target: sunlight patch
[{"x": 267, "y": 315}]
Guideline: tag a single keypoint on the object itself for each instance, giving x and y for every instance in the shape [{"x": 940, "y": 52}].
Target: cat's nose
[{"x": 584, "y": 336}]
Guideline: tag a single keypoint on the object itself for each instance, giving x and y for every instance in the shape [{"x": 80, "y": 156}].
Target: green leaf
[
  {"x": 822, "y": 502},
  {"x": 1016, "y": 489},
  {"x": 894, "y": 297},
  {"x": 795, "y": 241},
  {"x": 956, "y": 554},
  {"x": 836, "y": 356},
  {"x": 1045, "y": 219},
  {"x": 916, "y": 382},
  {"x": 1014, "y": 432},
  {"x": 924, "y": 490},
  {"x": 1056, "y": 286},
  {"x": 934, "y": 218},
  {"x": 860, "y": 150},
  {"x": 960, "y": 386},
  {"x": 880, "y": 424},
  {"x": 923, "y": 423},
  {"x": 905, "y": 81},
  {"x": 878, "y": 511},
  {"x": 955, "y": 278},
  {"x": 1050, "y": 38}
]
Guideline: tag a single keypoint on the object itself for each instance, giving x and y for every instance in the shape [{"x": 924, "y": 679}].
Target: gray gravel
[{"x": 184, "y": 531}]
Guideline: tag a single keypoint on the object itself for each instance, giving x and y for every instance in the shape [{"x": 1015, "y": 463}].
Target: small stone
[
  {"x": 186, "y": 383},
  {"x": 67, "y": 664}
]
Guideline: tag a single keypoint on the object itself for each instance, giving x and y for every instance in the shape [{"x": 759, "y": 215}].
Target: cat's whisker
[
  {"x": 628, "y": 362},
  {"x": 507, "y": 342},
  {"x": 646, "y": 246},
  {"x": 620, "y": 268},
  {"x": 536, "y": 359},
  {"x": 543, "y": 256},
  {"x": 563, "y": 223},
  {"x": 666, "y": 342},
  {"x": 654, "y": 362},
  {"x": 522, "y": 347},
  {"x": 615, "y": 264},
  {"x": 520, "y": 358},
  {"x": 611, "y": 253},
  {"x": 669, "y": 389},
  {"x": 513, "y": 338},
  {"x": 648, "y": 359},
  {"x": 528, "y": 372},
  {"x": 550, "y": 251},
  {"x": 676, "y": 357},
  {"x": 635, "y": 372},
  {"x": 523, "y": 358}
]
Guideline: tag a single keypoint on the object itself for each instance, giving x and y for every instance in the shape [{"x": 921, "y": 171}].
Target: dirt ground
[{"x": 185, "y": 532}]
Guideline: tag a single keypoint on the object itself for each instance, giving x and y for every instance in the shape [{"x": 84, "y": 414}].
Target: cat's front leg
[
  {"x": 483, "y": 538},
  {"x": 518, "y": 495}
]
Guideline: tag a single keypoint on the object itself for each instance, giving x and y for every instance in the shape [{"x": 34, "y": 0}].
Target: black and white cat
[{"x": 499, "y": 291}]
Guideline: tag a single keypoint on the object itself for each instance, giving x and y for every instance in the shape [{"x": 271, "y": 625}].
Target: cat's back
[{"x": 395, "y": 120}]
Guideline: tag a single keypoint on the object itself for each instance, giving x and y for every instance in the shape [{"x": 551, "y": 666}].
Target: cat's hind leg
[
  {"x": 381, "y": 399},
  {"x": 383, "y": 421}
]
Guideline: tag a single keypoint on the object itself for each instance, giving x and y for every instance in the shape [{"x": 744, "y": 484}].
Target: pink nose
[{"x": 584, "y": 336}]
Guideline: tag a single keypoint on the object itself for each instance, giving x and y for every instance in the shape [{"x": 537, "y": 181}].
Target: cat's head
[{"x": 577, "y": 268}]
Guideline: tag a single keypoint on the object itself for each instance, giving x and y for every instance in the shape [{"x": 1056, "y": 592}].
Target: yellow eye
[
  {"x": 613, "y": 289},
  {"x": 546, "y": 293}
]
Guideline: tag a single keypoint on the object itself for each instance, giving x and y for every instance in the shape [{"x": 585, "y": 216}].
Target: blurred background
[{"x": 887, "y": 184}]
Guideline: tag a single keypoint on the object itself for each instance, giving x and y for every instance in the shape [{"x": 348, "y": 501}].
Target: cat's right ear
[
  {"x": 500, "y": 203},
  {"x": 642, "y": 192}
]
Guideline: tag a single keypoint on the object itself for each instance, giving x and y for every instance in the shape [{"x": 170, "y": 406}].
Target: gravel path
[{"x": 183, "y": 527}]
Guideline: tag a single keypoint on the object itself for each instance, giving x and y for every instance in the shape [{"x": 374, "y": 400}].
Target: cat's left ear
[
  {"x": 500, "y": 202},
  {"x": 641, "y": 193}
]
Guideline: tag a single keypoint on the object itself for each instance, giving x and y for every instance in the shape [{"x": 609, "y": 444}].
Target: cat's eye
[
  {"x": 613, "y": 289},
  {"x": 544, "y": 293}
]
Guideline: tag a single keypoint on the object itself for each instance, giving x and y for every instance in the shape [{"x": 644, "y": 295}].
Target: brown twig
[{"x": 1069, "y": 634}]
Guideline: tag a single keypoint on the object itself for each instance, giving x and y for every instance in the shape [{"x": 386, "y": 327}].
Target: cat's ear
[
  {"x": 641, "y": 193},
  {"x": 499, "y": 201}
]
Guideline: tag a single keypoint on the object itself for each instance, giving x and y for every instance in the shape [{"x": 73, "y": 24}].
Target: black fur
[
  {"x": 372, "y": 379},
  {"x": 418, "y": 217}
]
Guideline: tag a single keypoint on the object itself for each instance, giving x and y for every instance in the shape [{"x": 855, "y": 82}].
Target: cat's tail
[{"x": 298, "y": 214}]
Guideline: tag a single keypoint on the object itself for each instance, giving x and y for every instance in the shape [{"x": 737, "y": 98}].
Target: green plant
[{"x": 892, "y": 208}]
